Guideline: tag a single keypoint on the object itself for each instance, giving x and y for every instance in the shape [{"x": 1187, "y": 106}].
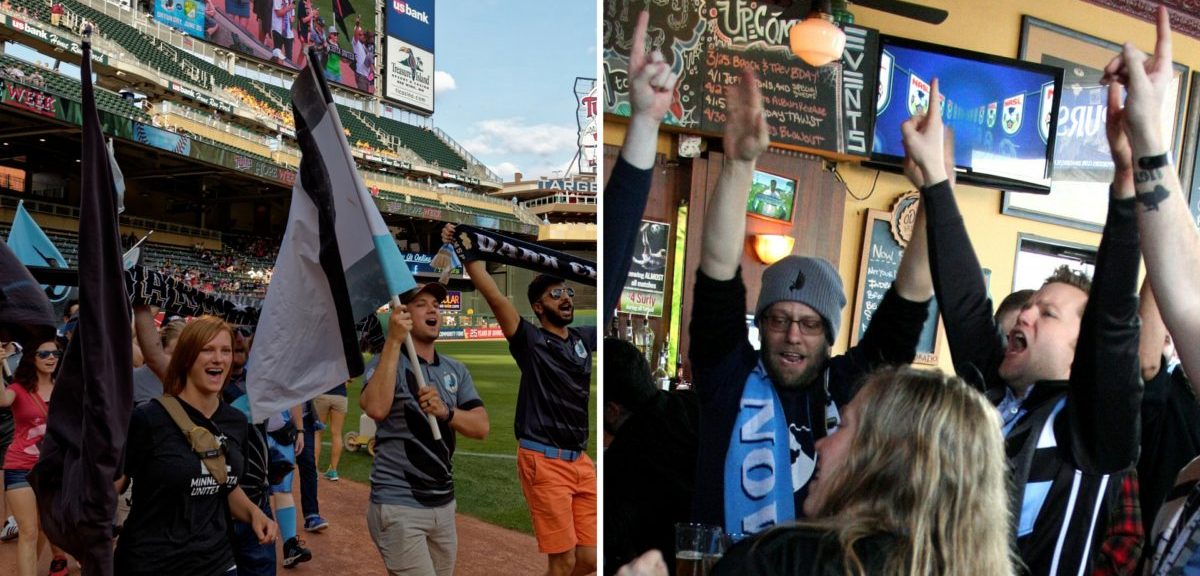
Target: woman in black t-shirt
[
  {"x": 178, "y": 523},
  {"x": 911, "y": 482}
]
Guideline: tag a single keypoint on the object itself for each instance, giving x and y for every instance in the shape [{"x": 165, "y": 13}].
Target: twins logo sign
[{"x": 1014, "y": 110}]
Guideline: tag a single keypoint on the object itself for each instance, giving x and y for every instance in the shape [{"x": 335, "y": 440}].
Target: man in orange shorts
[{"x": 557, "y": 476}]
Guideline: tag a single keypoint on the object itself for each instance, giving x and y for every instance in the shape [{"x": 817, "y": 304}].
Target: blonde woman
[{"x": 912, "y": 482}]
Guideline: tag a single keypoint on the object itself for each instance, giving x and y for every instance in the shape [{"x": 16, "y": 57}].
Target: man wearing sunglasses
[
  {"x": 557, "y": 476},
  {"x": 762, "y": 411}
]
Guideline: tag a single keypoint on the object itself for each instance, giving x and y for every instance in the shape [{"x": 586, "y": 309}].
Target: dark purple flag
[
  {"x": 342, "y": 10},
  {"x": 93, "y": 395}
]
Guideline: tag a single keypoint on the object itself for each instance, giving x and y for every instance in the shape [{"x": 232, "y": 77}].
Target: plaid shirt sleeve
[{"x": 1122, "y": 547}]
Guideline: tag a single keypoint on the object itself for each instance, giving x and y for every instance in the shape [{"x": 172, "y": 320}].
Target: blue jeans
[
  {"x": 253, "y": 559},
  {"x": 307, "y": 464}
]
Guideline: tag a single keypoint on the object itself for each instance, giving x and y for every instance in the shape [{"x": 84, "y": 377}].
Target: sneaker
[
  {"x": 58, "y": 566},
  {"x": 9, "y": 532},
  {"x": 315, "y": 523},
  {"x": 294, "y": 553},
  {"x": 331, "y": 475}
]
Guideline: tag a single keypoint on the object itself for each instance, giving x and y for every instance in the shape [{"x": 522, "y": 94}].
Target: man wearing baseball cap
[
  {"x": 762, "y": 411},
  {"x": 411, "y": 513}
]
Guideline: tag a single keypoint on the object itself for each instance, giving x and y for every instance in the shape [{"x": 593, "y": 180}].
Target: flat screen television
[{"x": 1002, "y": 111}]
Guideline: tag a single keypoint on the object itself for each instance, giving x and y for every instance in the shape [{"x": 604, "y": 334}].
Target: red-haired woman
[
  {"x": 178, "y": 521},
  {"x": 29, "y": 399}
]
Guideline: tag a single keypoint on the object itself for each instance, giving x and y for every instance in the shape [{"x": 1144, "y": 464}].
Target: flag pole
[{"x": 416, "y": 364}]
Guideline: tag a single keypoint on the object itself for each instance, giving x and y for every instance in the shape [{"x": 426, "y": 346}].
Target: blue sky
[{"x": 505, "y": 77}]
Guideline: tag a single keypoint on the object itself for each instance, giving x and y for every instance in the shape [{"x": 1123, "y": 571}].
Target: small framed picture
[{"x": 771, "y": 197}]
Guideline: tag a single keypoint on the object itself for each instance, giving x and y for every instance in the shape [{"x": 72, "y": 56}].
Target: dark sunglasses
[
  {"x": 558, "y": 292},
  {"x": 44, "y": 354}
]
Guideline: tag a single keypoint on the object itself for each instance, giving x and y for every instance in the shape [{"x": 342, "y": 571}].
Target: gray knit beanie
[{"x": 810, "y": 281}]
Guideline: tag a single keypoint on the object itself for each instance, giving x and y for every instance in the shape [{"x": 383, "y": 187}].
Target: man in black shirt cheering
[
  {"x": 1066, "y": 382},
  {"x": 552, "y": 415}
]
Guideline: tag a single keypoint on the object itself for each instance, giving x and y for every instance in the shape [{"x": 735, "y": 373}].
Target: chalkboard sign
[
  {"x": 876, "y": 272},
  {"x": 830, "y": 110}
]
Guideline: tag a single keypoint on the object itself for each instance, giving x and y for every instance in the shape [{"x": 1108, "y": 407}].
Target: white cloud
[
  {"x": 443, "y": 82},
  {"x": 505, "y": 170},
  {"x": 509, "y": 136}
]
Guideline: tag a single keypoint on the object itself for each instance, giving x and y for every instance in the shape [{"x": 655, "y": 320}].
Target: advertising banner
[
  {"x": 409, "y": 75},
  {"x": 643, "y": 292},
  {"x": 409, "y": 50},
  {"x": 185, "y": 15}
]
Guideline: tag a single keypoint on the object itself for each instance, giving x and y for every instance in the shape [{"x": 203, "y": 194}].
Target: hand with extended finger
[
  {"x": 924, "y": 141},
  {"x": 746, "y": 132},
  {"x": 431, "y": 403},
  {"x": 651, "y": 82},
  {"x": 1147, "y": 80},
  {"x": 1118, "y": 141}
]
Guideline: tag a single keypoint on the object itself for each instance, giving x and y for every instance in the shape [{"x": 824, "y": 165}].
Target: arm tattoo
[{"x": 1150, "y": 200}]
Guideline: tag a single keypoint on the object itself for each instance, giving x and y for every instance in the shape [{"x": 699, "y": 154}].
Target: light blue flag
[{"x": 34, "y": 248}]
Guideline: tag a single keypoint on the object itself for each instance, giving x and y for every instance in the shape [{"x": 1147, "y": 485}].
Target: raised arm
[
  {"x": 377, "y": 396},
  {"x": 149, "y": 341},
  {"x": 506, "y": 313},
  {"x": 1105, "y": 395},
  {"x": 1154, "y": 334},
  {"x": 1169, "y": 238},
  {"x": 651, "y": 90},
  {"x": 746, "y": 137},
  {"x": 975, "y": 343}
]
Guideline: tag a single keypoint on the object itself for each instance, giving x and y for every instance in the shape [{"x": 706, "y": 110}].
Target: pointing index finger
[
  {"x": 1162, "y": 48},
  {"x": 637, "y": 54}
]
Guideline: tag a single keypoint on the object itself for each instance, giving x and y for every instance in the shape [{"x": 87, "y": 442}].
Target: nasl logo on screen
[{"x": 402, "y": 7}]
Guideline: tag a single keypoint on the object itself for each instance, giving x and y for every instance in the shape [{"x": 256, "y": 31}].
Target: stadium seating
[
  {"x": 424, "y": 142},
  {"x": 66, "y": 86}
]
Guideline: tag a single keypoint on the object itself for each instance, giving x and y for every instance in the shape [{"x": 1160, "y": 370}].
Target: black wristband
[
  {"x": 1153, "y": 162},
  {"x": 450, "y": 414}
]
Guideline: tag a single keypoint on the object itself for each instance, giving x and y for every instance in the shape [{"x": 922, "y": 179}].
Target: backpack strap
[{"x": 201, "y": 439}]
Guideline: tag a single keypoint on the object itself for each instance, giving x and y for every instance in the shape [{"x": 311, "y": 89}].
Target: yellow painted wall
[{"x": 995, "y": 28}]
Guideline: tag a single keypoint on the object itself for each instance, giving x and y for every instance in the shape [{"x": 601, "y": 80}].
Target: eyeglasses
[
  {"x": 808, "y": 326},
  {"x": 558, "y": 293},
  {"x": 44, "y": 354}
]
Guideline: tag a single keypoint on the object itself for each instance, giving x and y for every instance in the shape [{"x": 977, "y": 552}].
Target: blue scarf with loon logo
[{"x": 758, "y": 476}]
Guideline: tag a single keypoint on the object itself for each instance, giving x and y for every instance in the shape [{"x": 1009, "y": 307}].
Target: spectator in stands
[
  {"x": 56, "y": 13},
  {"x": 239, "y": 12},
  {"x": 362, "y": 64},
  {"x": 29, "y": 399},
  {"x": 281, "y": 29}
]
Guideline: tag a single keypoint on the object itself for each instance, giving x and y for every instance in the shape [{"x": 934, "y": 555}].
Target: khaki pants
[{"x": 414, "y": 541}]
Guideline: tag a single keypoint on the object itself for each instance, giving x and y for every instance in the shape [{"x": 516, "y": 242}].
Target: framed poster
[
  {"x": 645, "y": 287},
  {"x": 771, "y": 197},
  {"x": 880, "y": 261},
  {"x": 1082, "y": 165},
  {"x": 1189, "y": 176}
]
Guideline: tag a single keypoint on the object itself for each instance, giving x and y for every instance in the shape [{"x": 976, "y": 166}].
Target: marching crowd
[
  {"x": 1063, "y": 443},
  {"x": 204, "y": 490}
]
